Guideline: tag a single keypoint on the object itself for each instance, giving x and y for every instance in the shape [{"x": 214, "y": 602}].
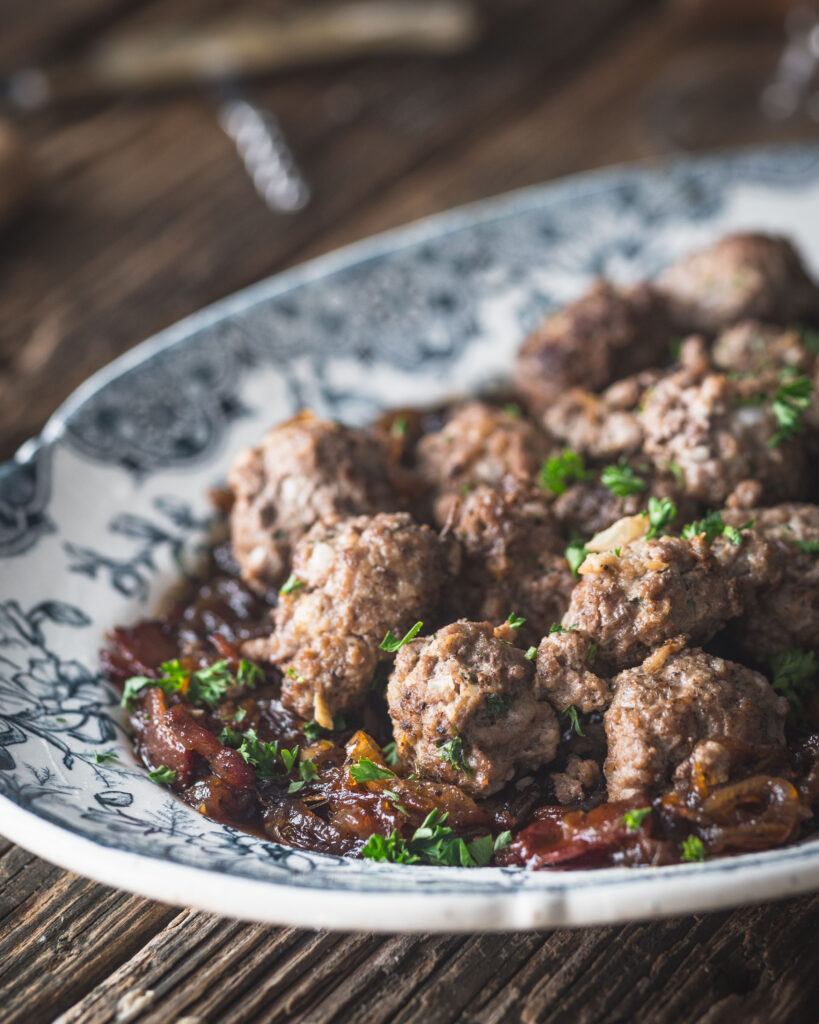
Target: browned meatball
[
  {"x": 480, "y": 445},
  {"x": 719, "y": 432},
  {"x": 355, "y": 580},
  {"x": 464, "y": 709},
  {"x": 608, "y": 333},
  {"x": 752, "y": 347},
  {"x": 591, "y": 426},
  {"x": 782, "y": 611},
  {"x": 513, "y": 558},
  {"x": 740, "y": 277},
  {"x": 684, "y": 713},
  {"x": 565, "y": 672},
  {"x": 580, "y": 777},
  {"x": 304, "y": 469},
  {"x": 655, "y": 589}
]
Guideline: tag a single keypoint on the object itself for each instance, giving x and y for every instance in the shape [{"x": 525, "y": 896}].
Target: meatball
[
  {"x": 686, "y": 714},
  {"x": 480, "y": 445},
  {"x": 355, "y": 579},
  {"x": 464, "y": 709},
  {"x": 590, "y": 425},
  {"x": 608, "y": 333},
  {"x": 305, "y": 469},
  {"x": 654, "y": 590},
  {"x": 740, "y": 277},
  {"x": 719, "y": 432},
  {"x": 564, "y": 672},
  {"x": 513, "y": 558},
  {"x": 782, "y": 611},
  {"x": 580, "y": 778},
  {"x": 752, "y": 347}
]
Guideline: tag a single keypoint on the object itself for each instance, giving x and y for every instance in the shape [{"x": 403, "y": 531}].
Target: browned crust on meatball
[
  {"x": 684, "y": 704},
  {"x": 468, "y": 683}
]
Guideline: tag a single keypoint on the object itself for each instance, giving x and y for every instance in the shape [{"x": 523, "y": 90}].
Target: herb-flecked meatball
[
  {"x": 353, "y": 581},
  {"x": 686, "y": 715},
  {"x": 565, "y": 671},
  {"x": 740, "y": 277},
  {"x": 608, "y": 333},
  {"x": 513, "y": 558},
  {"x": 304, "y": 470},
  {"x": 480, "y": 445},
  {"x": 465, "y": 711}
]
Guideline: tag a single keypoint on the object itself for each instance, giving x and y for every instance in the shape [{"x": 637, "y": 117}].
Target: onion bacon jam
[{"x": 575, "y": 626}]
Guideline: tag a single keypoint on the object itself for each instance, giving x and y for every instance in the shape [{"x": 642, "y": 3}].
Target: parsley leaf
[
  {"x": 791, "y": 400},
  {"x": 574, "y": 721},
  {"x": 661, "y": 511},
  {"x": 108, "y": 755},
  {"x": 290, "y": 584},
  {"x": 497, "y": 704},
  {"x": 810, "y": 547},
  {"x": 481, "y": 850},
  {"x": 557, "y": 628},
  {"x": 576, "y": 555},
  {"x": 230, "y": 737},
  {"x": 262, "y": 757},
  {"x": 558, "y": 472},
  {"x": 621, "y": 480},
  {"x": 794, "y": 677},
  {"x": 368, "y": 771},
  {"x": 453, "y": 752},
  {"x": 209, "y": 685},
  {"x": 390, "y": 752},
  {"x": 515, "y": 621},
  {"x": 711, "y": 525},
  {"x": 313, "y": 731},
  {"x": 692, "y": 849},
  {"x": 531, "y": 653},
  {"x": 249, "y": 675},
  {"x": 398, "y": 427},
  {"x": 204, "y": 686},
  {"x": 634, "y": 819},
  {"x": 391, "y": 643},
  {"x": 503, "y": 840},
  {"x": 162, "y": 775},
  {"x": 307, "y": 772}
]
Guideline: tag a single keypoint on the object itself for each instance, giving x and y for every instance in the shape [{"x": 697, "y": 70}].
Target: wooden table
[{"x": 143, "y": 216}]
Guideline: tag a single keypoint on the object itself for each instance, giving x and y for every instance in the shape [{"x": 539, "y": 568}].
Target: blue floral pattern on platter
[{"x": 110, "y": 507}]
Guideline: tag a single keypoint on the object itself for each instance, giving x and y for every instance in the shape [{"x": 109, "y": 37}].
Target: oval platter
[{"x": 102, "y": 512}]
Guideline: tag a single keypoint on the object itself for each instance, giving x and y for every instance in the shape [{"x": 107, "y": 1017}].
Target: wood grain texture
[{"x": 144, "y": 216}]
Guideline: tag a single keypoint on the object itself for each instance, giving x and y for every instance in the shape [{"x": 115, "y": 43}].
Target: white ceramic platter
[{"x": 98, "y": 515}]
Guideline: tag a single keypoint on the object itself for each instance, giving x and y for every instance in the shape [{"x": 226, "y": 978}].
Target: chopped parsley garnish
[
  {"x": 290, "y": 584},
  {"x": 230, "y": 737},
  {"x": 503, "y": 840},
  {"x": 676, "y": 470},
  {"x": 512, "y": 409},
  {"x": 497, "y": 704},
  {"x": 453, "y": 752},
  {"x": 262, "y": 757},
  {"x": 204, "y": 686},
  {"x": 391, "y": 643},
  {"x": 394, "y": 797},
  {"x": 433, "y": 843},
  {"x": 515, "y": 621},
  {"x": 368, "y": 771},
  {"x": 712, "y": 526},
  {"x": 661, "y": 511},
  {"x": 557, "y": 628},
  {"x": 561, "y": 470},
  {"x": 621, "y": 480},
  {"x": 576, "y": 555},
  {"x": 162, "y": 775},
  {"x": 107, "y": 755},
  {"x": 593, "y": 650},
  {"x": 240, "y": 715},
  {"x": 398, "y": 427},
  {"x": 289, "y": 757},
  {"x": 294, "y": 675},
  {"x": 794, "y": 676},
  {"x": 390, "y": 752},
  {"x": 810, "y": 547},
  {"x": 692, "y": 849},
  {"x": 791, "y": 400},
  {"x": 531, "y": 653},
  {"x": 634, "y": 819},
  {"x": 307, "y": 772},
  {"x": 574, "y": 721}
]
